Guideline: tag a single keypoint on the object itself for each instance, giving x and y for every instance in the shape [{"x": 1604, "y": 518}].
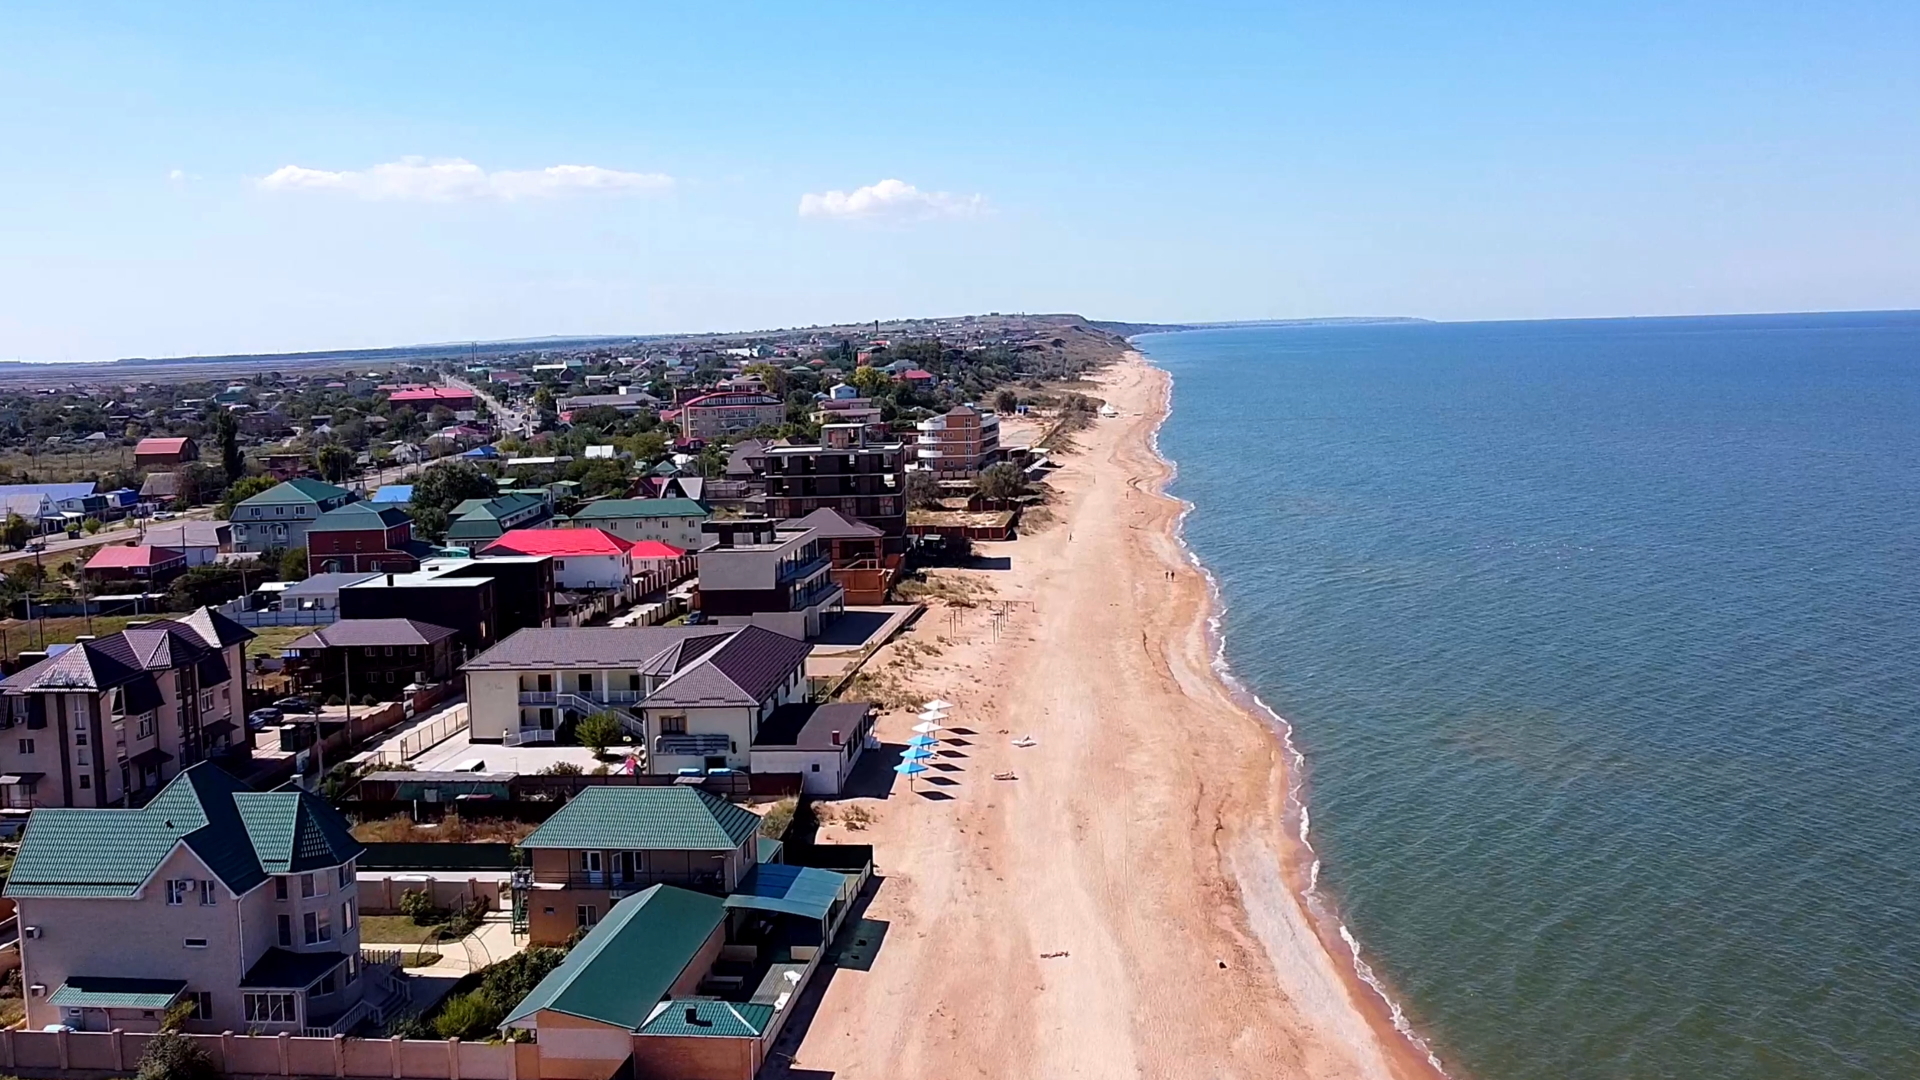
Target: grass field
[{"x": 397, "y": 930}]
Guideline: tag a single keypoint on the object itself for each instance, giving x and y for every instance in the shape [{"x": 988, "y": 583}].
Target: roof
[
  {"x": 216, "y": 629},
  {"x": 831, "y": 524},
  {"x": 500, "y": 506},
  {"x": 430, "y": 393},
  {"x": 354, "y": 633},
  {"x": 654, "y": 549},
  {"x": 355, "y": 517},
  {"x": 284, "y": 969},
  {"x": 393, "y": 493},
  {"x": 241, "y": 835},
  {"x": 326, "y": 584},
  {"x": 126, "y": 556},
  {"x": 585, "y": 646},
  {"x": 161, "y": 446},
  {"x": 109, "y": 992},
  {"x": 640, "y": 508},
  {"x": 303, "y": 490},
  {"x": 810, "y": 726},
  {"x": 558, "y": 542},
  {"x": 789, "y": 890},
  {"x": 185, "y": 534},
  {"x": 705, "y": 1018},
  {"x": 629, "y": 960},
  {"x": 125, "y": 660},
  {"x": 747, "y": 670},
  {"x": 676, "y": 818},
  {"x": 56, "y": 492}
]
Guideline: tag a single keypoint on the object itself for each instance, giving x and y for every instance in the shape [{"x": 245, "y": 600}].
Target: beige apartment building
[
  {"x": 108, "y": 721},
  {"x": 959, "y": 443}
]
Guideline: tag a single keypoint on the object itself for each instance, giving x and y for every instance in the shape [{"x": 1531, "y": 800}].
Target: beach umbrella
[
  {"x": 932, "y": 717},
  {"x": 923, "y": 740},
  {"x": 910, "y": 770},
  {"x": 937, "y": 703},
  {"x": 927, "y": 727},
  {"x": 916, "y": 753}
]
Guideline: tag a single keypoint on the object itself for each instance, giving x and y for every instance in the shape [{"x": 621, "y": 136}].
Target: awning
[
  {"x": 150, "y": 759},
  {"x": 107, "y": 992},
  {"x": 283, "y": 969},
  {"x": 218, "y": 727},
  {"x": 789, "y": 890},
  {"x": 13, "y": 779}
]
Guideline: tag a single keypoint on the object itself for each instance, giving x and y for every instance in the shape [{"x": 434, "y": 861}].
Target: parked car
[
  {"x": 295, "y": 704},
  {"x": 260, "y": 718}
]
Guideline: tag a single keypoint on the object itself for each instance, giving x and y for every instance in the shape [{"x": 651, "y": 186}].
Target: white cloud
[
  {"x": 890, "y": 199},
  {"x": 455, "y": 180},
  {"x": 177, "y": 175}
]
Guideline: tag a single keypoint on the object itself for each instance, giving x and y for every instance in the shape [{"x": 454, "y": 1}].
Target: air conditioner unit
[{"x": 31, "y": 931}]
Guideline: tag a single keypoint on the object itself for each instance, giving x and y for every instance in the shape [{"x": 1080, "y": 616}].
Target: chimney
[
  {"x": 82, "y": 638},
  {"x": 693, "y": 1015},
  {"x": 836, "y": 737},
  {"x": 389, "y": 579}
]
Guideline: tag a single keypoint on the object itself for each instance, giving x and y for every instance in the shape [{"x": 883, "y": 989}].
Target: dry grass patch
[{"x": 452, "y": 829}]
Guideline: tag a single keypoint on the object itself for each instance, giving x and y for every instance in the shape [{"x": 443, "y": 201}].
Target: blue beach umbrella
[
  {"x": 923, "y": 740},
  {"x": 916, "y": 753},
  {"x": 910, "y": 769}
]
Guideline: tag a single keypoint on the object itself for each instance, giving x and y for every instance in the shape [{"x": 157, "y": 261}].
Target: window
[
  {"x": 286, "y": 930},
  {"x": 346, "y": 873},
  {"x": 143, "y": 729},
  {"x": 206, "y": 894},
  {"x": 367, "y": 651},
  {"x": 202, "y": 1004},
  {"x": 389, "y": 650},
  {"x": 196, "y": 943},
  {"x": 26, "y": 746},
  {"x": 586, "y": 915},
  {"x": 177, "y": 892},
  {"x": 311, "y": 922},
  {"x": 586, "y": 683},
  {"x": 280, "y": 888},
  {"x": 673, "y": 725},
  {"x": 326, "y": 924},
  {"x": 79, "y": 738},
  {"x": 307, "y": 886},
  {"x": 269, "y": 1008},
  {"x": 346, "y": 916},
  {"x": 329, "y": 984}
]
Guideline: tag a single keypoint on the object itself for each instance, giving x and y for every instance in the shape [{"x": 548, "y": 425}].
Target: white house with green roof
[
  {"x": 242, "y": 903},
  {"x": 670, "y": 521},
  {"x": 278, "y": 518},
  {"x": 479, "y": 522}
]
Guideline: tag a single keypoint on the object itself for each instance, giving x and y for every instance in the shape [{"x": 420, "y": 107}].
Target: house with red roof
[
  {"x": 424, "y": 398},
  {"x": 917, "y": 377},
  {"x": 584, "y": 560},
  {"x": 158, "y": 453},
  {"x": 140, "y": 565},
  {"x": 658, "y": 565}
]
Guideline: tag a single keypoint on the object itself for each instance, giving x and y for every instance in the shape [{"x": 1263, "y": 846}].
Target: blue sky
[{"x": 189, "y": 178}]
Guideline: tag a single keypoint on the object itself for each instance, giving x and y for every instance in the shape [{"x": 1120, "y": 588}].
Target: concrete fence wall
[
  {"x": 381, "y": 895},
  {"x": 98, "y": 1055}
]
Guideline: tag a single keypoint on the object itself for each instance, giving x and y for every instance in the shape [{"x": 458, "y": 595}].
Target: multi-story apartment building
[
  {"x": 757, "y": 573},
  {"x": 959, "y": 443},
  {"x": 108, "y": 721},
  {"x": 670, "y": 521},
  {"x": 853, "y": 471},
  {"x": 242, "y": 903},
  {"x": 713, "y": 416},
  {"x": 278, "y": 518}
]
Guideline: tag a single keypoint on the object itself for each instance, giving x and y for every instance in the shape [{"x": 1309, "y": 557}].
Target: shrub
[
  {"x": 774, "y": 824},
  {"x": 505, "y": 983},
  {"x": 335, "y": 700},
  {"x": 417, "y": 904},
  {"x": 597, "y": 732},
  {"x": 562, "y": 768},
  {"x": 469, "y": 1016},
  {"x": 173, "y": 1056}
]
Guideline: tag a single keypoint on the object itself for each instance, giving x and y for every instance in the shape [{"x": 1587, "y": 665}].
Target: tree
[
  {"x": 469, "y": 1016},
  {"x": 512, "y": 979},
  {"x": 870, "y": 381},
  {"x": 227, "y": 431},
  {"x": 200, "y": 483},
  {"x": 437, "y": 490},
  {"x": 772, "y": 377},
  {"x": 334, "y": 462},
  {"x": 16, "y": 532},
  {"x": 246, "y": 489},
  {"x": 923, "y": 491},
  {"x": 1002, "y": 481},
  {"x": 173, "y": 1056},
  {"x": 1006, "y": 401},
  {"x": 293, "y": 564},
  {"x": 598, "y": 731},
  {"x": 543, "y": 400}
]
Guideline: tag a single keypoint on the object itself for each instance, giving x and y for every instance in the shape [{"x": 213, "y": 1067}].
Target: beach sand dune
[{"x": 1125, "y": 907}]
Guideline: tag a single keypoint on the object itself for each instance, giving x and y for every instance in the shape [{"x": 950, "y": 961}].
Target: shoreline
[
  {"x": 1295, "y": 845},
  {"x": 1119, "y": 895}
]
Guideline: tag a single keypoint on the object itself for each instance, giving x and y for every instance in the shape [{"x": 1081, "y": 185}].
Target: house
[
  {"x": 362, "y": 536},
  {"x": 818, "y": 742},
  {"x": 711, "y": 685},
  {"x": 287, "y": 464},
  {"x": 610, "y": 842},
  {"x": 584, "y": 560},
  {"x": 918, "y": 379},
  {"x": 77, "y": 498},
  {"x": 717, "y": 415},
  {"x": 200, "y": 541},
  {"x": 242, "y": 903},
  {"x": 160, "y": 488},
  {"x": 522, "y": 586},
  {"x": 425, "y": 398},
  {"x": 142, "y": 566},
  {"x": 754, "y": 572},
  {"x": 156, "y": 453},
  {"x": 278, "y": 518},
  {"x": 479, "y": 522},
  {"x": 850, "y": 471},
  {"x": 470, "y": 605},
  {"x": 960, "y": 443},
  {"x": 670, "y": 521},
  {"x": 658, "y": 566},
  {"x": 355, "y": 658},
  {"x": 862, "y": 565},
  {"x": 319, "y": 593},
  {"x": 107, "y": 721},
  {"x": 34, "y": 508}
]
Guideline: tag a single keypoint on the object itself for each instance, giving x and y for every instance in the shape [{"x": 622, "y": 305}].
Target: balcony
[
  {"x": 801, "y": 571},
  {"x": 624, "y": 883},
  {"x": 550, "y": 698}
]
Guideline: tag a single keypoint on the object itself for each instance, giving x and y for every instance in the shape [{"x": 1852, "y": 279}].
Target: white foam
[{"x": 1296, "y": 803}]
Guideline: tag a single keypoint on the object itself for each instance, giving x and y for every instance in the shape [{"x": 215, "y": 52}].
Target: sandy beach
[{"x": 1128, "y": 906}]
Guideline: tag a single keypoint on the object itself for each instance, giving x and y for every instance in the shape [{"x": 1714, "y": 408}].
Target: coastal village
[{"x": 573, "y": 713}]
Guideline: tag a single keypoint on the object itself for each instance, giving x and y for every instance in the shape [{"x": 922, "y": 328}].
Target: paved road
[
  {"x": 105, "y": 536},
  {"x": 505, "y": 417}
]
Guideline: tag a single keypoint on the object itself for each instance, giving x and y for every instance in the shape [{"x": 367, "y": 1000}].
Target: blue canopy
[
  {"x": 910, "y": 768},
  {"x": 923, "y": 740},
  {"x": 916, "y": 753}
]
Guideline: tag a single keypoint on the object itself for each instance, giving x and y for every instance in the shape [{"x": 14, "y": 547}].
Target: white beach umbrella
[
  {"x": 927, "y": 727},
  {"x": 932, "y": 717},
  {"x": 937, "y": 703}
]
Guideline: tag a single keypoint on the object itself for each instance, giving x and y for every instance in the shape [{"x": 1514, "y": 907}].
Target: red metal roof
[
  {"x": 160, "y": 446},
  {"x": 126, "y": 557},
  {"x": 431, "y": 393},
  {"x": 558, "y": 542},
  {"x": 654, "y": 549},
  {"x": 916, "y": 374}
]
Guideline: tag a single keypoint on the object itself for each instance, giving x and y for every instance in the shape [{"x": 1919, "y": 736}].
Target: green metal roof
[
  {"x": 607, "y": 509},
  {"x": 703, "y": 1018},
  {"x": 789, "y": 890},
  {"x": 107, "y": 992},
  {"x": 628, "y": 962},
  {"x": 767, "y": 849},
  {"x": 241, "y": 835},
  {"x": 303, "y": 490},
  {"x": 355, "y": 517},
  {"x": 646, "y": 819}
]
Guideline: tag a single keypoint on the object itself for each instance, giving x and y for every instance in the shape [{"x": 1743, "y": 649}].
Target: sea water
[{"x": 1602, "y": 642}]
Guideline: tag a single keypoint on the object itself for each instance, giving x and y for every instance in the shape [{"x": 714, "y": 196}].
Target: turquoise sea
[{"x": 1602, "y": 641}]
